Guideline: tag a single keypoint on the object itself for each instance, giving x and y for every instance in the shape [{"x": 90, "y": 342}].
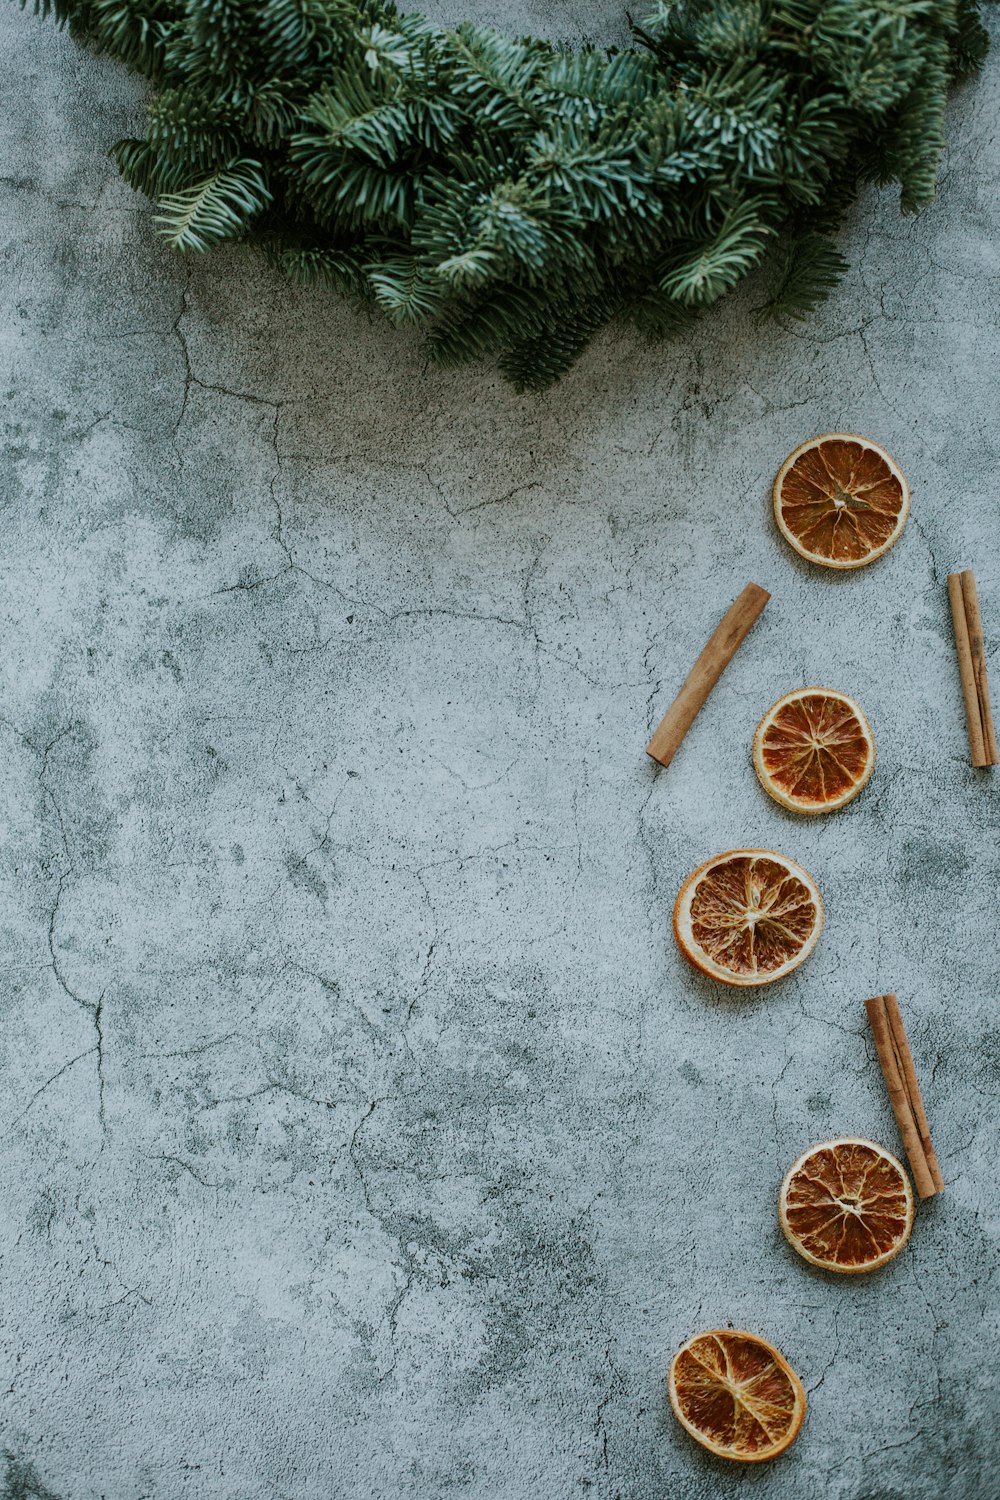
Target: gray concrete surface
[{"x": 365, "y": 1135}]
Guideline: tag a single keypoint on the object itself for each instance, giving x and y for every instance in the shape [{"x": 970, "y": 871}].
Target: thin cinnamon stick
[
  {"x": 893, "y": 1071},
  {"x": 909, "y": 1073},
  {"x": 722, "y": 644},
  {"x": 975, "y": 624},
  {"x": 972, "y": 668}
]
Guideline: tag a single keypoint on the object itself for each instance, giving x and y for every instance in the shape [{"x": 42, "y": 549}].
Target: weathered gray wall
[{"x": 365, "y": 1135}]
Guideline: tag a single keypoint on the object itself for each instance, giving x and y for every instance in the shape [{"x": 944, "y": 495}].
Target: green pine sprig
[{"x": 510, "y": 197}]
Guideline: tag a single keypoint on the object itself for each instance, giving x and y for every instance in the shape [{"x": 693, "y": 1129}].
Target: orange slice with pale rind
[
  {"x": 748, "y": 917},
  {"x": 846, "y": 1205},
  {"x": 736, "y": 1395},
  {"x": 813, "y": 750},
  {"x": 841, "y": 500}
]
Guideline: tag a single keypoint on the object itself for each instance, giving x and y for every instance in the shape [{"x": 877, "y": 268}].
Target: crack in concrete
[
  {"x": 94, "y": 1008},
  {"x": 185, "y": 1166},
  {"x": 615, "y": 1386},
  {"x": 833, "y": 1357},
  {"x": 917, "y": 523},
  {"x": 196, "y": 1048},
  {"x": 58, "y": 1074},
  {"x": 352, "y": 1150}
]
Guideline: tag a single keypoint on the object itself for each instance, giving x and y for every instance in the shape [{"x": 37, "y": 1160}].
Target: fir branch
[
  {"x": 969, "y": 41},
  {"x": 511, "y": 197},
  {"x": 212, "y": 210},
  {"x": 539, "y": 360},
  {"x": 917, "y": 145},
  {"x": 700, "y": 271},
  {"x": 145, "y": 171},
  {"x": 476, "y": 329},
  {"x": 187, "y": 128},
  {"x": 811, "y": 268},
  {"x": 659, "y": 315},
  {"x": 135, "y": 31},
  {"x": 341, "y": 271},
  {"x": 404, "y": 289}
]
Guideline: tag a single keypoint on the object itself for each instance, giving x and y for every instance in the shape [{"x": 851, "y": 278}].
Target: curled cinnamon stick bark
[
  {"x": 722, "y": 644},
  {"x": 968, "y": 625},
  {"x": 900, "y": 1076},
  {"x": 971, "y": 600},
  {"x": 909, "y": 1075}
]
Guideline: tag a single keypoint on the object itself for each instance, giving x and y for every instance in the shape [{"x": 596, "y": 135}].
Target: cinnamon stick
[
  {"x": 909, "y": 1073},
  {"x": 722, "y": 645},
  {"x": 900, "y": 1076},
  {"x": 975, "y": 623},
  {"x": 968, "y": 626}
]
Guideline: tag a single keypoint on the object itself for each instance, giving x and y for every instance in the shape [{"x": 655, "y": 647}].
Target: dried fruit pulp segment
[
  {"x": 736, "y": 1394},
  {"x": 813, "y": 750},
  {"x": 847, "y": 1205},
  {"x": 840, "y": 500},
  {"x": 750, "y": 915}
]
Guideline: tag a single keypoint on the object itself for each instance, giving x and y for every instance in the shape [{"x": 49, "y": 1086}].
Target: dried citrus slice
[
  {"x": 813, "y": 750},
  {"x": 748, "y": 917},
  {"x": 736, "y": 1395},
  {"x": 846, "y": 1205},
  {"x": 841, "y": 500}
]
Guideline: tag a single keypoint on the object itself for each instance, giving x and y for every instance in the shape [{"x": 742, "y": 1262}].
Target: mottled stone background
[{"x": 365, "y": 1135}]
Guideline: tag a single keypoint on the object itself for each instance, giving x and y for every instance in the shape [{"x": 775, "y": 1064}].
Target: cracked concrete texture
[{"x": 365, "y": 1134}]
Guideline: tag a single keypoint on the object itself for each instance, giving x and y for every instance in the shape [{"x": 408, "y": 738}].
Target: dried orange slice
[
  {"x": 841, "y": 500},
  {"x": 846, "y": 1205},
  {"x": 748, "y": 917},
  {"x": 813, "y": 750},
  {"x": 736, "y": 1395}
]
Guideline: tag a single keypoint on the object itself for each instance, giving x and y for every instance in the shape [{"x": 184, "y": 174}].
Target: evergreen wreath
[{"x": 512, "y": 196}]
